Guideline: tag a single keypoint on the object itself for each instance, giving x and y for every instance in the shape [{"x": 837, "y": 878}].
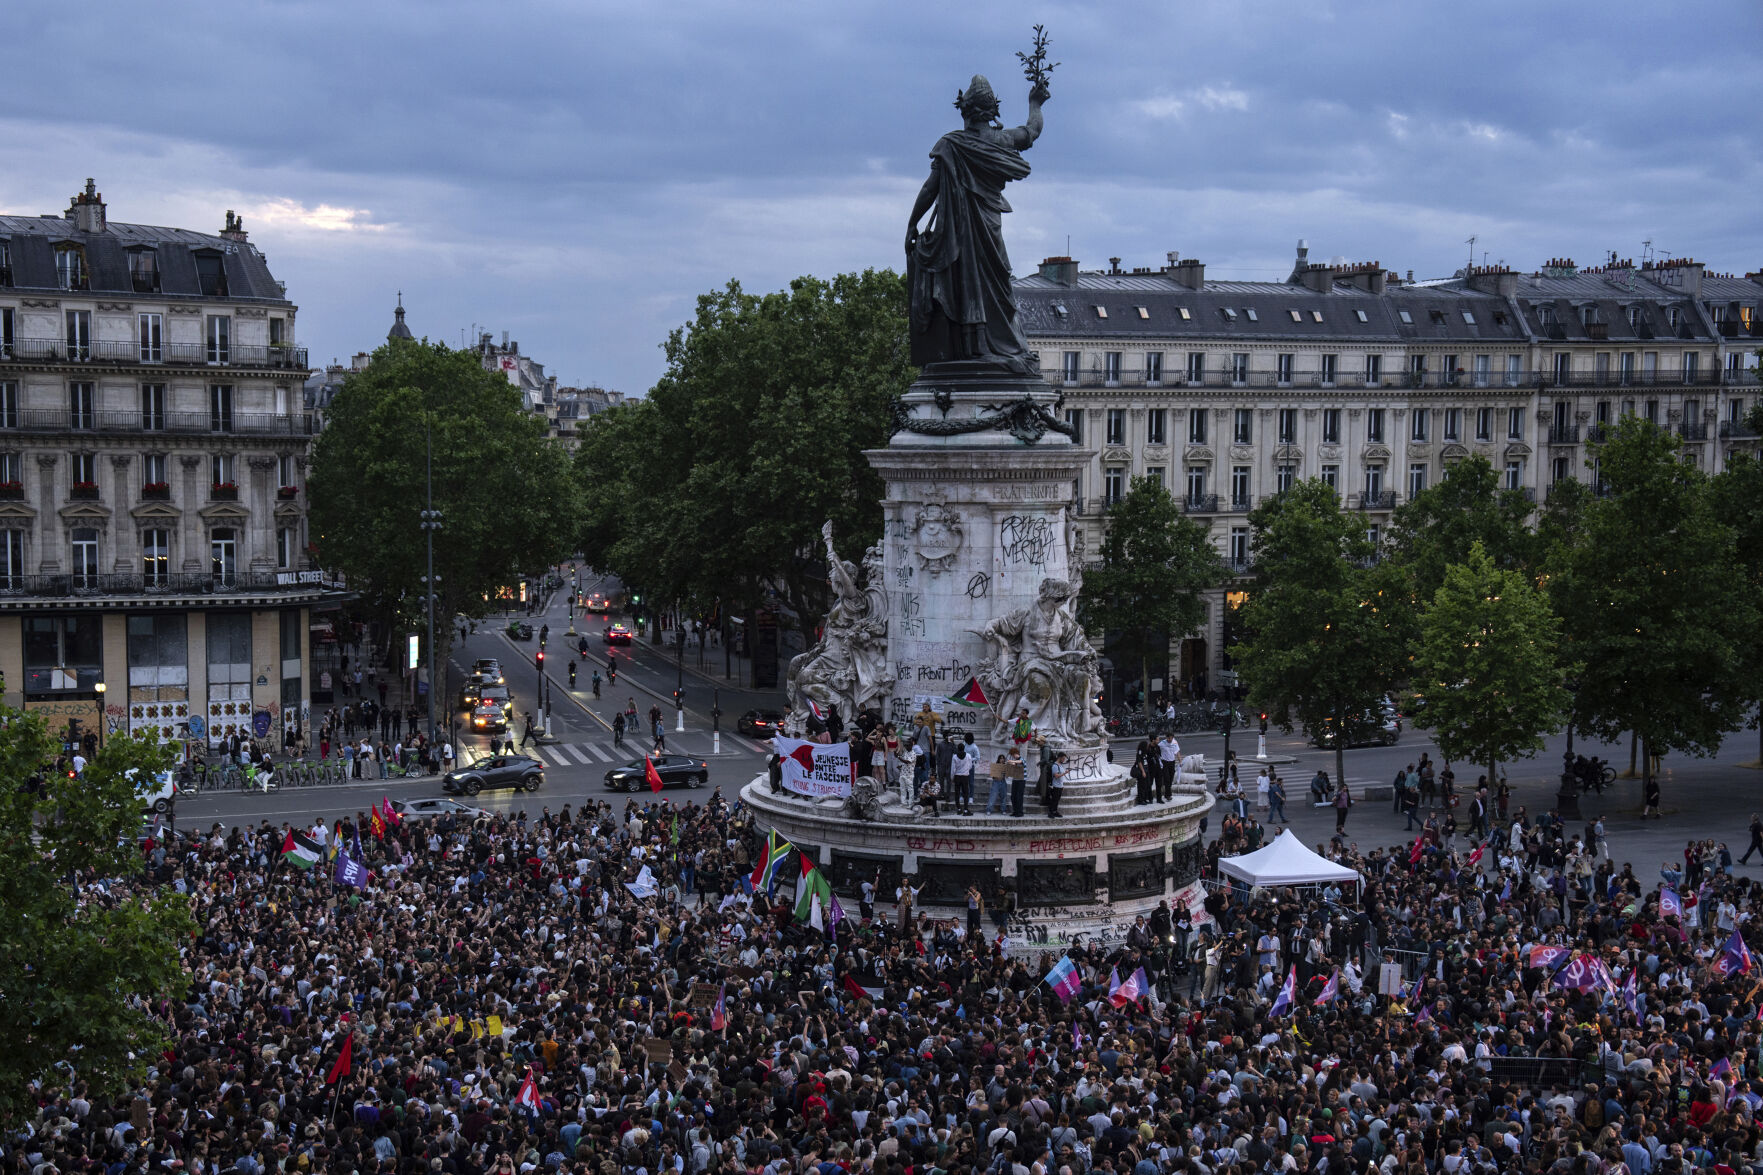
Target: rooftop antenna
[
  {"x": 1484, "y": 258},
  {"x": 1647, "y": 251},
  {"x": 1068, "y": 244},
  {"x": 1472, "y": 252}
]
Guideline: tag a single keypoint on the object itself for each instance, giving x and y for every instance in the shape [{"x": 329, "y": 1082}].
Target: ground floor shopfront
[{"x": 196, "y": 675}]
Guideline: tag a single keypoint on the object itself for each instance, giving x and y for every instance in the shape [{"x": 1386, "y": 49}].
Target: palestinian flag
[
  {"x": 300, "y": 851},
  {"x": 970, "y": 694},
  {"x": 813, "y": 895},
  {"x": 863, "y": 987}
]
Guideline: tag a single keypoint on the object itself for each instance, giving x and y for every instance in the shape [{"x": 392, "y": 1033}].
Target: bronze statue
[{"x": 963, "y": 307}]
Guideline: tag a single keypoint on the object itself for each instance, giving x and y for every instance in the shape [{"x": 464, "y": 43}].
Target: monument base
[{"x": 1082, "y": 877}]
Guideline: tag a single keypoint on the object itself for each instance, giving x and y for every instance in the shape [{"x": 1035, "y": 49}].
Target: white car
[
  {"x": 433, "y": 806},
  {"x": 157, "y": 795}
]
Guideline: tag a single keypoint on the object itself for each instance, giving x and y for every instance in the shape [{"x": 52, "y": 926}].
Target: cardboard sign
[
  {"x": 1389, "y": 979},
  {"x": 704, "y": 995},
  {"x": 660, "y": 1051}
]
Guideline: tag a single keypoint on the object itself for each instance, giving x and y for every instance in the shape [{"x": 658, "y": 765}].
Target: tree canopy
[
  {"x": 1438, "y": 526},
  {"x": 1326, "y": 625},
  {"x": 1653, "y": 604},
  {"x": 507, "y": 502},
  {"x": 716, "y": 486},
  {"x": 1155, "y": 564},
  {"x": 1487, "y": 668},
  {"x": 77, "y": 975}
]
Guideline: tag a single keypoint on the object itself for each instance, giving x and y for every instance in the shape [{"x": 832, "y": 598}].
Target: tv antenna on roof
[{"x": 1472, "y": 252}]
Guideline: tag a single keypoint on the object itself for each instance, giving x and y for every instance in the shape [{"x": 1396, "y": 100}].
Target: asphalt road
[{"x": 1702, "y": 797}]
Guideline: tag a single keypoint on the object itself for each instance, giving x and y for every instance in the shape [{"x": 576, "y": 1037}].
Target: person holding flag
[
  {"x": 1288, "y": 995},
  {"x": 1330, "y": 990},
  {"x": 1064, "y": 979}
]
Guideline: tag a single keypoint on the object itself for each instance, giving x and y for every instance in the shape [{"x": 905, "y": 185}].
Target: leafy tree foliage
[
  {"x": 1653, "y": 603},
  {"x": 1438, "y": 526},
  {"x": 1738, "y": 501},
  {"x": 1155, "y": 564},
  {"x": 716, "y": 486},
  {"x": 506, "y": 497},
  {"x": 1487, "y": 668},
  {"x": 1326, "y": 626},
  {"x": 76, "y": 976}
]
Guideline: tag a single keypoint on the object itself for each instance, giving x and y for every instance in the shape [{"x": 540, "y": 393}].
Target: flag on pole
[
  {"x": 1330, "y": 990},
  {"x": 813, "y": 895},
  {"x": 300, "y": 851},
  {"x": 336, "y": 845},
  {"x": 1114, "y": 986},
  {"x": 835, "y": 914},
  {"x": 1414, "y": 853},
  {"x": 1288, "y": 994},
  {"x": 351, "y": 872},
  {"x": 1422, "y": 1016},
  {"x": 1720, "y": 1069},
  {"x": 719, "y": 1010},
  {"x": 650, "y": 775},
  {"x": 1475, "y": 857},
  {"x": 393, "y": 819},
  {"x": 341, "y": 1067},
  {"x": 376, "y": 823},
  {"x": 814, "y": 709},
  {"x": 529, "y": 1092},
  {"x": 673, "y": 833},
  {"x": 771, "y": 859},
  {"x": 1735, "y": 957},
  {"x": 970, "y": 694},
  {"x": 1631, "y": 993},
  {"x": 355, "y": 834},
  {"x": 1579, "y": 974},
  {"x": 1547, "y": 956},
  {"x": 1506, "y": 892},
  {"x": 645, "y": 885},
  {"x": 1670, "y": 905},
  {"x": 1064, "y": 979}
]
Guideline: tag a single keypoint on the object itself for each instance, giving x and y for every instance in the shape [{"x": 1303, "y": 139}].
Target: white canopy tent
[{"x": 1285, "y": 861}]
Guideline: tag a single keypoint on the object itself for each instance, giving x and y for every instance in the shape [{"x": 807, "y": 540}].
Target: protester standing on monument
[{"x": 962, "y": 761}]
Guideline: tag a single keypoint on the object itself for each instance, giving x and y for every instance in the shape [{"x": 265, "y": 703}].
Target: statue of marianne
[{"x": 963, "y": 308}]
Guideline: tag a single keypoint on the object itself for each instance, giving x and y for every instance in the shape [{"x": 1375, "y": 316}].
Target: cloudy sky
[{"x": 576, "y": 172}]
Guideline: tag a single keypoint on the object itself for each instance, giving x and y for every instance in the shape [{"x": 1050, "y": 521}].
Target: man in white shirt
[{"x": 1168, "y": 755}]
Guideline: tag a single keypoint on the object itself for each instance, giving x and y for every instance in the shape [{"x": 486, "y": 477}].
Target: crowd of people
[{"x": 604, "y": 991}]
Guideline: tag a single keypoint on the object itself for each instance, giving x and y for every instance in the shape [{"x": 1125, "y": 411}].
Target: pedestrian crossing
[{"x": 595, "y": 753}]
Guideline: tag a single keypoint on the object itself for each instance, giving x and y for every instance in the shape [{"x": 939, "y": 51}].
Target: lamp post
[
  {"x": 431, "y": 522},
  {"x": 575, "y": 587},
  {"x": 100, "y": 689},
  {"x": 679, "y": 683}
]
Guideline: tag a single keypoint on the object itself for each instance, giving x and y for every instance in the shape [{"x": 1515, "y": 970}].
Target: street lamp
[
  {"x": 100, "y": 688},
  {"x": 575, "y": 587},
  {"x": 679, "y": 684}
]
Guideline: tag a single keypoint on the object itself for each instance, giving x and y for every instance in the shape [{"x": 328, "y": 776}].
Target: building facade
[
  {"x": 1229, "y": 391},
  {"x": 153, "y": 439}
]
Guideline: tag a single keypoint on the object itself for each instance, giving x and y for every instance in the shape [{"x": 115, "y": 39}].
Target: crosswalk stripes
[
  {"x": 556, "y": 756},
  {"x": 577, "y": 752},
  {"x": 598, "y": 753},
  {"x": 591, "y": 754}
]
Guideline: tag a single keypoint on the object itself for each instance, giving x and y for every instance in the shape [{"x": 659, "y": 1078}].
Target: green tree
[
  {"x": 1488, "y": 669},
  {"x": 1326, "y": 625},
  {"x": 1738, "y": 500},
  {"x": 716, "y": 486},
  {"x": 1653, "y": 604},
  {"x": 1438, "y": 526},
  {"x": 76, "y": 977},
  {"x": 1155, "y": 564},
  {"x": 506, "y": 497}
]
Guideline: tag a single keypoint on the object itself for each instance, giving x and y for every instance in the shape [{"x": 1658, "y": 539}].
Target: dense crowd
[{"x": 598, "y": 992}]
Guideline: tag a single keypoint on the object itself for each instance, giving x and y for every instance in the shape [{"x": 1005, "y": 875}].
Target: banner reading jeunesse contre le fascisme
[{"x": 815, "y": 769}]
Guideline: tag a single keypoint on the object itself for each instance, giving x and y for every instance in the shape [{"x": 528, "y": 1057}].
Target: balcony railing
[
  {"x": 83, "y": 493},
  {"x": 1692, "y": 432},
  {"x": 1564, "y": 434},
  {"x": 223, "y": 493},
  {"x": 1736, "y": 430},
  {"x": 1374, "y": 500},
  {"x": 1240, "y": 505},
  {"x": 1459, "y": 379},
  {"x": 55, "y": 586},
  {"x": 1200, "y": 504},
  {"x": 156, "y": 492},
  {"x": 293, "y": 424},
  {"x": 277, "y": 356},
  {"x": 11, "y": 491}
]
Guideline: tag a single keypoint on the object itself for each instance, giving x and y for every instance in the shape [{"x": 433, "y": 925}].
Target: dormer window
[
  {"x": 1438, "y": 318},
  {"x": 211, "y": 274},
  {"x": 1546, "y": 315},
  {"x": 1635, "y": 316},
  {"x": 1588, "y": 315},
  {"x": 1468, "y": 318},
  {"x": 1144, "y": 312},
  {"x": 1101, "y": 312},
  {"x": 1186, "y": 315},
  {"x": 1406, "y": 317},
  {"x": 1297, "y": 315},
  {"x": 1316, "y": 316},
  {"x": 1674, "y": 316},
  {"x": 144, "y": 270},
  {"x": 1229, "y": 314},
  {"x": 70, "y": 267},
  {"x": 1249, "y": 313},
  {"x": 5, "y": 262},
  {"x": 1362, "y": 316}
]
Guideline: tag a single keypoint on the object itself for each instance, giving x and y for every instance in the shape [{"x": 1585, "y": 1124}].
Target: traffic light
[
  {"x": 679, "y": 699},
  {"x": 540, "y": 658},
  {"x": 1263, "y": 722}
]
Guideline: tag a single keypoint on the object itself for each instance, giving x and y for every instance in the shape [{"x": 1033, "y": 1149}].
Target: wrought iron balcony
[
  {"x": 42, "y": 420},
  {"x": 279, "y": 356},
  {"x": 1564, "y": 434},
  {"x": 180, "y": 583},
  {"x": 1200, "y": 504}
]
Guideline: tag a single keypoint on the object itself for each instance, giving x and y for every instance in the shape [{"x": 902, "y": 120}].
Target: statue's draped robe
[{"x": 963, "y": 307}]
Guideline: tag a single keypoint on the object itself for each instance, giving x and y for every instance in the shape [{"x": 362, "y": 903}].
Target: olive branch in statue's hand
[{"x": 1036, "y": 68}]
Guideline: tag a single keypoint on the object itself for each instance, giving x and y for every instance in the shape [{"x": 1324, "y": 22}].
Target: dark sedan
[
  {"x": 514, "y": 771},
  {"x": 760, "y": 723},
  {"x": 675, "y": 771}
]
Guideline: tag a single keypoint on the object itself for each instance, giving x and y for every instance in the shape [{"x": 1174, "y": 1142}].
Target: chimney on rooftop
[
  {"x": 1062, "y": 270},
  {"x": 86, "y": 209},
  {"x": 1498, "y": 280},
  {"x": 1189, "y": 272},
  {"x": 235, "y": 227},
  {"x": 1303, "y": 260},
  {"x": 1114, "y": 265},
  {"x": 1678, "y": 273}
]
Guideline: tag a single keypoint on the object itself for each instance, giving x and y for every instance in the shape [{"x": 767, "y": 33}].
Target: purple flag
[
  {"x": 1064, "y": 979},
  {"x": 351, "y": 872},
  {"x": 1735, "y": 957},
  {"x": 1288, "y": 994}
]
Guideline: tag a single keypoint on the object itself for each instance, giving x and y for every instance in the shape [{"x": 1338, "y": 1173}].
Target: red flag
[
  {"x": 529, "y": 1093},
  {"x": 652, "y": 776},
  {"x": 341, "y": 1068},
  {"x": 376, "y": 823},
  {"x": 1415, "y": 855},
  {"x": 393, "y": 820},
  {"x": 719, "y": 1010},
  {"x": 1475, "y": 857}
]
